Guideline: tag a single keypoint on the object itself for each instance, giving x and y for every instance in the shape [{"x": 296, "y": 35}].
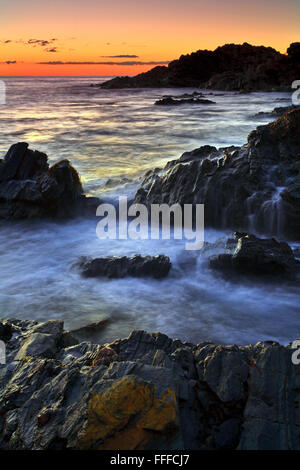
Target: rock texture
[
  {"x": 122, "y": 266},
  {"x": 146, "y": 391},
  {"x": 255, "y": 187},
  {"x": 260, "y": 257},
  {"x": 230, "y": 67},
  {"x": 30, "y": 188}
]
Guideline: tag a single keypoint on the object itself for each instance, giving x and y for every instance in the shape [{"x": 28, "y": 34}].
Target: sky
[{"x": 126, "y": 37}]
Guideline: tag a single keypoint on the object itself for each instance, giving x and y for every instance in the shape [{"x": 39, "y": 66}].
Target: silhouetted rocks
[
  {"x": 122, "y": 266},
  {"x": 276, "y": 112},
  {"x": 147, "y": 391},
  {"x": 169, "y": 101},
  {"x": 255, "y": 187},
  {"x": 230, "y": 67},
  {"x": 259, "y": 257},
  {"x": 29, "y": 188}
]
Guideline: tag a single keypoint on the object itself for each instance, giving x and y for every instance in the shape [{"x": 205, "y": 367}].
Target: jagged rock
[
  {"x": 259, "y": 257},
  {"x": 241, "y": 67},
  {"x": 30, "y": 188},
  {"x": 148, "y": 391},
  {"x": 121, "y": 266},
  {"x": 254, "y": 187}
]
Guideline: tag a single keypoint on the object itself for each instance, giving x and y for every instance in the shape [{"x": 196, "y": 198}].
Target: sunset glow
[{"x": 128, "y": 37}]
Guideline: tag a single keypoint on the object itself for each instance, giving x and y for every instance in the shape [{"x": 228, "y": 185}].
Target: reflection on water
[{"x": 118, "y": 135}]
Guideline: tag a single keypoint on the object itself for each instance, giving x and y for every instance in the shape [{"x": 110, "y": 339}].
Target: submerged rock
[
  {"x": 29, "y": 188},
  {"x": 122, "y": 266},
  {"x": 255, "y": 187},
  {"x": 260, "y": 257},
  {"x": 147, "y": 391},
  {"x": 169, "y": 101},
  {"x": 276, "y": 112}
]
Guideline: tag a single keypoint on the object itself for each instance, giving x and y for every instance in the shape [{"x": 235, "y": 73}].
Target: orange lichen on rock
[{"x": 124, "y": 416}]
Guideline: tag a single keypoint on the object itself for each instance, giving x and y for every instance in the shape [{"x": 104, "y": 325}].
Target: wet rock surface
[
  {"x": 146, "y": 391},
  {"x": 260, "y": 257},
  {"x": 29, "y": 188},
  {"x": 121, "y": 266},
  {"x": 241, "y": 67},
  {"x": 255, "y": 187}
]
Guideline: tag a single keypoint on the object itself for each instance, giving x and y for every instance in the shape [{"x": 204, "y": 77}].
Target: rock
[
  {"x": 149, "y": 391},
  {"x": 259, "y": 257},
  {"x": 29, "y": 188},
  {"x": 250, "y": 188},
  {"x": 277, "y": 112},
  {"x": 174, "y": 102},
  {"x": 90, "y": 329},
  {"x": 119, "y": 267},
  {"x": 240, "y": 67},
  {"x": 37, "y": 344}
]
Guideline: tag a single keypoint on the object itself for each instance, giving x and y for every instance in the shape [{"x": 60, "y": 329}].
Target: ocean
[{"x": 113, "y": 137}]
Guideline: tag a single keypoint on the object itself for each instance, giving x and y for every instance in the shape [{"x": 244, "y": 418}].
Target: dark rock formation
[
  {"x": 230, "y": 67},
  {"x": 260, "y": 257},
  {"x": 121, "y": 266},
  {"x": 169, "y": 101},
  {"x": 252, "y": 188},
  {"x": 276, "y": 112},
  {"x": 146, "y": 391},
  {"x": 30, "y": 188}
]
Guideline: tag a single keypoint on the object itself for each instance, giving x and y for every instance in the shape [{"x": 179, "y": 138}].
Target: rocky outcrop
[
  {"x": 169, "y": 101},
  {"x": 146, "y": 391},
  {"x": 276, "y": 112},
  {"x": 260, "y": 257},
  {"x": 253, "y": 188},
  {"x": 230, "y": 67},
  {"x": 121, "y": 266},
  {"x": 29, "y": 188}
]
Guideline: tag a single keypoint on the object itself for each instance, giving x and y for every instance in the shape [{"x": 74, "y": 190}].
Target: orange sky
[{"x": 149, "y": 32}]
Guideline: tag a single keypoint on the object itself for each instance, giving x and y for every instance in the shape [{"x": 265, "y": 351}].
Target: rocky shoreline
[
  {"x": 232, "y": 67},
  {"x": 146, "y": 391},
  {"x": 253, "y": 188}
]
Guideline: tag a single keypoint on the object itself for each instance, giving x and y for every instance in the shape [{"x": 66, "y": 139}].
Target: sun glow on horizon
[{"x": 129, "y": 37}]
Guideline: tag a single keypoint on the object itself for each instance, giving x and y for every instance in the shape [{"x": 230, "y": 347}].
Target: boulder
[
  {"x": 29, "y": 188},
  {"x": 122, "y": 266},
  {"x": 256, "y": 256}
]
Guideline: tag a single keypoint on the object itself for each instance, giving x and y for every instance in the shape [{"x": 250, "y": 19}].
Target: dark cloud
[
  {"x": 8, "y": 62},
  {"x": 52, "y": 49},
  {"x": 163, "y": 62},
  {"x": 7, "y": 41},
  {"x": 38, "y": 42},
  {"x": 121, "y": 56}
]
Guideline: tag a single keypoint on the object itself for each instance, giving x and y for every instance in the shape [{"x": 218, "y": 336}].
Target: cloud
[
  {"x": 7, "y": 41},
  {"x": 40, "y": 42},
  {"x": 52, "y": 49},
  {"x": 163, "y": 62},
  {"x": 8, "y": 62},
  {"x": 121, "y": 56}
]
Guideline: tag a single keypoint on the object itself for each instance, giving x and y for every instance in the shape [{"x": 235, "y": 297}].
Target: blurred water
[{"x": 117, "y": 134}]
